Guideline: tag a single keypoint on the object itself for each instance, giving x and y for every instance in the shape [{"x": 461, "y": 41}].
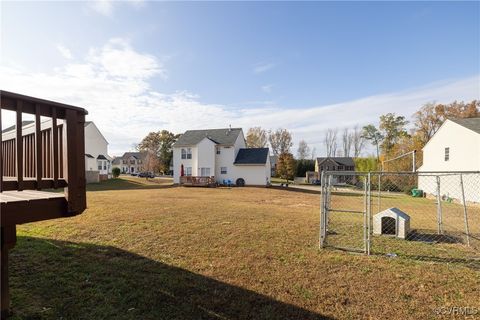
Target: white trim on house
[{"x": 211, "y": 155}]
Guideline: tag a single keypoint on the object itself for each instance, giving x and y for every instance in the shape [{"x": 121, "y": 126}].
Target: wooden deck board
[{"x": 27, "y": 195}]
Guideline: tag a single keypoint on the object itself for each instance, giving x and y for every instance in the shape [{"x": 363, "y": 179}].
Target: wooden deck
[
  {"x": 30, "y": 205},
  {"x": 193, "y": 181},
  {"x": 47, "y": 155}
]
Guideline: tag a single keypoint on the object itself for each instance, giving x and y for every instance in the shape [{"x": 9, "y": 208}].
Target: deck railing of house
[
  {"x": 198, "y": 181},
  {"x": 46, "y": 157},
  {"x": 49, "y": 155}
]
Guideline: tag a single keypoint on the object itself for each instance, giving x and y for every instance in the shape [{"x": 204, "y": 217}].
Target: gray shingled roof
[
  {"x": 219, "y": 136},
  {"x": 469, "y": 123},
  {"x": 344, "y": 161},
  {"x": 252, "y": 156},
  {"x": 11, "y": 128},
  {"x": 126, "y": 155}
]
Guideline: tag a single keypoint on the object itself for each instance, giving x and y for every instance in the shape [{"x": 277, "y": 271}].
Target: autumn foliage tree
[
  {"x": 257, "y": 138},
  {"x": 159, "y": 144},
  {"x": 280, "y": 141},
  {"x": 286, "y": 166}
]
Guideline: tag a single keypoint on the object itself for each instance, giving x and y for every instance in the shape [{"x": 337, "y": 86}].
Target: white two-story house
[
  {"x": 96, "y": 153},
  {"x": 220, "y": 154},
  {"x": 455, "y": 147}
]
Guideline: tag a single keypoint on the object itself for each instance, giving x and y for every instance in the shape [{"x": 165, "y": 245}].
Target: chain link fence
[{"x": 432, "y": 216}]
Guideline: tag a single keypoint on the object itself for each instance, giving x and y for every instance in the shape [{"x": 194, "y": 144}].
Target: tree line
[{"x": 391, "y": 138}]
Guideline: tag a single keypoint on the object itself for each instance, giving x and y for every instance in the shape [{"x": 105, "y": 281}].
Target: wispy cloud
[
  {"x": 103, "y": 7},
  {"x": 107, "y": 7},
  {"x": 267, "y": 88},
  {"x": 64, "y": 51},
  {"x": 263, "y": 67},
  {"x": 120, "y": 100}
]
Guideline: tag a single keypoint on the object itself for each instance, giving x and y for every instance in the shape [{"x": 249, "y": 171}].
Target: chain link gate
[
  {"x": 345, "y": 226},
  {"x": 432, "y": 216}
]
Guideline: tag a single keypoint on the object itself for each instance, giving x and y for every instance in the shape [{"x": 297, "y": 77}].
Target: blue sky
[{"x": 188, "y": 65}]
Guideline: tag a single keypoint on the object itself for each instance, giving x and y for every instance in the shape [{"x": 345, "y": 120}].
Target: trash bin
[{"x": 417, "y": 193}]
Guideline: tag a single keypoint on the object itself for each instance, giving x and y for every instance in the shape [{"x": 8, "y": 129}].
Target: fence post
[
  {"x": 465, "y": 217},
  {"x": 369, "y": 214},
  {"x": 322, "y": 211},
  {"x": 379, "y": 192},
  {"x": 439, "y": 208},
  {"x": 365, "y": 210}
]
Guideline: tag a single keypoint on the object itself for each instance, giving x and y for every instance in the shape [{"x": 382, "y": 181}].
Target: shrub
[{"x": 116, "y": 172}]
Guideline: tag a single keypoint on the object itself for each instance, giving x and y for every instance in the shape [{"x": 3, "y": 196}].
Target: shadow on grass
[
  {"x": 129, "y": 184},
  {"x": 295, "y": 189},
  {"x": 64, "y": 280}
]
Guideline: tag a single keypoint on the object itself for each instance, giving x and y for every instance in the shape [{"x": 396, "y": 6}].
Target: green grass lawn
[{"x": 147, "y": 250}]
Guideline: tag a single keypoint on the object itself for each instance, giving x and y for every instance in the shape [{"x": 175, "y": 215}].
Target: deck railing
[
  {"x": 50, "y": 154},
  {"x": 197, "y": 181}
]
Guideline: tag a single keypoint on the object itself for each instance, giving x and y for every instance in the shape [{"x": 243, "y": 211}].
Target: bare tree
[
  {"x": 257, "y": 137},
  {"x": 330, "y": 142},
  {"x": 346, "y": 142},
  {"x": 313, "y": 153},
  {"x": 358, "y": 141},
  {"x": 280, "y": 141},
  {"x": 303, "y": 151}
]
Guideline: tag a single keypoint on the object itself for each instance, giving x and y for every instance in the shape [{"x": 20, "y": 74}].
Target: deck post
[
  {"x": 8, "y": 240},
  {"x": 75, "y": 190}
]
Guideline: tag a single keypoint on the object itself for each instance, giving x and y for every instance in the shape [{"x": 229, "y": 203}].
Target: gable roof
[
  {"x": 469, "y": 123},
  {"x": 87, "y": 123},
  {"x": 252, "y": 156},
  {"x": 11, "y": 128},
  {"x": 225, "y": 136},
  {"x": 342, "y": 161}
]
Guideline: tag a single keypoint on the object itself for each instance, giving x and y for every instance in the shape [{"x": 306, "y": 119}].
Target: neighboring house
[
  {"x": 335, "y": 164},
  {"x": 97, "y": 160},
  {"x": 96, "y": 153},
  {"x": 454, "y": 147},
  {"x": 130, "y": 162},
  {"x": 220, "y": 154}
]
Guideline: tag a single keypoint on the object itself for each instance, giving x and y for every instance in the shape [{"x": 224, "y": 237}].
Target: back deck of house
[
  {"x": 194, "y": 181},
  {"x": 49, "y": 157}
]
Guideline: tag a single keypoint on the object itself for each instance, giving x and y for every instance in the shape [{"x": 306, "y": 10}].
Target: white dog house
[{"x": 393, "y": 222}]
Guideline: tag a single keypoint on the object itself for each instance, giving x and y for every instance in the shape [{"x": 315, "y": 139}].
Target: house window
[
  {"x": 132, "y": 161},
  {"x": 218, "y": 150},
  {"x": 100, "y": 167},
  {"x": 223, "y": 170},
  {"x": 187, "y": 153},
  {"x": 188, "y": 171},
  {"x": 124, "y": 161},
  {"x": 139, "y": 161},
  {"x": 205, "y": 172},
  {"x": 447, "y": 153}
]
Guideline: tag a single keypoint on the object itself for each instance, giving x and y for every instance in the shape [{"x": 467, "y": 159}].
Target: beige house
[{"x": 130, "y": 162}]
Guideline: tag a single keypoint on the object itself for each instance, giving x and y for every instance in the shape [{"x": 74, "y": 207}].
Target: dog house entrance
[{"x": 389, "y": 225}]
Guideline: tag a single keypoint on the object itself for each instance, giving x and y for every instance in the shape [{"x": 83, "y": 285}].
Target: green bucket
[{"x": 417, "y": 193}]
